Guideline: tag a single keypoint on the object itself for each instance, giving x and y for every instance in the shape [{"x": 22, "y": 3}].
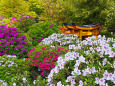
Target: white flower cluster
[
  {"x": 62, "y": 39},
  {"x": 9, "y": 63},
  {"x": 102, "y": 47},
  {"x": 89, "y": 71},
  {"x": 3, "y": 83},
  {"x": 106, "y": 76},
  {"x": 71, "y": 79},
  {"x": 61, "y": 62}
]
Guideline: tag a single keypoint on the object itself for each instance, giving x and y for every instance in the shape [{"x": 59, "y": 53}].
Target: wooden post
[{"x": 80, "y": 35}]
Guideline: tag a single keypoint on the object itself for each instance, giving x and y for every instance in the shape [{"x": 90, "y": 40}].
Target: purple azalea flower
[
  {"x": 42, "y": 38},
  {"x": 20, "y": 46},
  {"x": 24, "y": 50},
  {"x": 39, "y": 40},
  {"x": 8, "y": 47},
  {"x": 13, "y": 18},
  {"x": 51, "y": 25}
]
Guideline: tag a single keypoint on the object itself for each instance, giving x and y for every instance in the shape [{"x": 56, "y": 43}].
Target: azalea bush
[
  {"x": 61, "y": 39},
  {"x": 11, "y": 69},
  {"x": 42, "y": 29},
  {"x": 90, "y": 63},
  {"x": 21, "y": 22},
  {"x": 5, "y": 21},
  {"x": 11, "y": 73},
  {"x": 107, "y": 34},
  {"x": 44, "y": 57},
  {"x": 13, "y": 42}
]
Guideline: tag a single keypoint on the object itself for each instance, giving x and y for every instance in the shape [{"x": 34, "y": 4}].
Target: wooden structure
[{"x": 84, "y": 30}]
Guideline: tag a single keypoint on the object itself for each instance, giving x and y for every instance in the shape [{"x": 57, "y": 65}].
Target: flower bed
[
  {"x": 61, "y": 39},
  {"x": 21, "y": 22},
  {"x": 13, "y": 42},
  {"x": 44, "y": 57},
  {"x": 11, "y": 70},
  {"x": 63, "y": 58},
  {"x": 90, "y": 63}
]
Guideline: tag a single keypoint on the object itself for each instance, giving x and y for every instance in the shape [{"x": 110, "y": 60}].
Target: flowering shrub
[
  {"x": 43, "y": 29},
  {"x": 92, "y": 63},
  {"x": 21, "y": 80},
  {"x": 4, "y": 21},
  {"x": 11, "y": 69},
  {"x": 1, "y": 18},
  {"x": 11, "y": 73},
  {"x": 21, "y": 22},
  {"x": 13, "y": 42},
  {"x": 61, "y": 39},
  {"x": 44, "y": 57}
]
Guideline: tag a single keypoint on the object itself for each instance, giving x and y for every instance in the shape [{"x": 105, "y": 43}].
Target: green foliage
[
  {"x": 43, "y": 29},
  {"x": 9, "y": 8},
  {"x": 107, "y": 34},
  {"x": 11, "y": 68},
  {"x": 86, "y": 11},
  {"x": 51, "y": 10},
  {"x": 21, "y": 22},
  {"x": 5, "y": 21},
  {"x": 40, "y": 81},
  {"x": 110, "y": 20},
  {"x": 35, "y": 6}
]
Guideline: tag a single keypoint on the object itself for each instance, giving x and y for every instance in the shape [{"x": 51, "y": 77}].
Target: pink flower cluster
[{"x": 45, "y": 59}]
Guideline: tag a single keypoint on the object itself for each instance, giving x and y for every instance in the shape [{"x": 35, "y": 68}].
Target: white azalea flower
[
  {"x": 77, "y": 63},
  {"x": 59, "y": 84},
  {"x": 97, "y": 80},
  {"x": 93, "y": 70},
  {"x": 80, "y": 83},
  {"x": 24, "y": 79},
  {"x": 110, "y": 76},
  {"x": 102, "y": 81},
  {"x": 52, "y": 85},
  {"x": 104, "y": 61},
  {"x": 111, "y": 54},
  {"x": 14, "y": 84},
  {"x": 113, "y": 45},
  {"x": 98, "y": 49},
  {"x": 82, "y": 59},
  {"x": 34, "y": 82}
]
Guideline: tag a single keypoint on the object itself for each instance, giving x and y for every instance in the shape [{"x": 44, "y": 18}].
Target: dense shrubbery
[
  {"x": 61, "y": 39},
  {"x": 107, "y": 34},
  {"x": 13, "y": 42},
  {"x": 91, "y": 63},
  {"x": 11, "y": 69},
  {"x": 44, "y": 57},
  {"x": 15, "y": 72},
  {"x": 58, "y": 59},
  {"x": 44, "y": 29},
  {"x": 21, "y": 22}
]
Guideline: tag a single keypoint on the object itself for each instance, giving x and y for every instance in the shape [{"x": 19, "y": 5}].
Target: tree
[
  {"x": 50, "y": 9},
  {"x": 87, "y": 11},
  {"x": 36, "y": 6},
  {"x": 9, "y": 8}
]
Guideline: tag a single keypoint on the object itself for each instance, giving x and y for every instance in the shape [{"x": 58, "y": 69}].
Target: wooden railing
[{"x": 85, "y": 30}]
